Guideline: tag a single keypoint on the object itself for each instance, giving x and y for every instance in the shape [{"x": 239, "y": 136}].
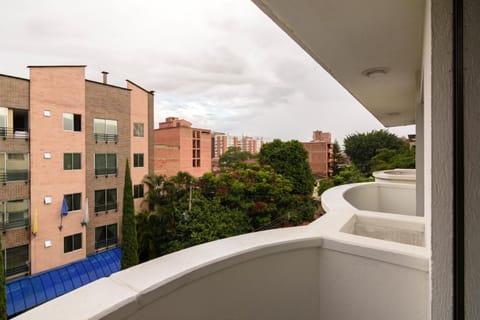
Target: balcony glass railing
[
  {"x": 104, "y": 137},
  {"x": 14, "y": 175},
  {"x": 106, "y": 243},
  {"x": 105, "y": 171},
  {"x": 9, "y": 133},
  {"x": 106, "y": 207},
  {"x": 15, "y": 220}
]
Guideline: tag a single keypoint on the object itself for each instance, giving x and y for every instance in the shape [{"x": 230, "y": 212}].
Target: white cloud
[{"x": 220, "y": 64}]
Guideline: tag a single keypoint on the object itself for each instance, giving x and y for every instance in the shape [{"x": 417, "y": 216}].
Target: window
[
  {"x": 14, "y": 214},
  {"x": 73, "y": 201},
  {"x": 13, "y": 166},
  {"x": 72, "y": 243},
  {"x": 196, "y": 163},
  {"x": 138, "y": 159},
  {"x": 196, "y": 149},
  {"x": 72, "y": 161},
  {"x": 16, "y": 261},
  {"x": 105, "y": 130},
  {"x": 72, "y": 122},
  {"x": 105, "y": 163},
  {"x": 3, "y": 121},
  {"x": 105, "y": 200},
  {"x": 106, "y": 236},
  {"x": 138, "y": 129},
  {"x": 138, "y": 191}
]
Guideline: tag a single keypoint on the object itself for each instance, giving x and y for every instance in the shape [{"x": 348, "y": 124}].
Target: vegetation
[
  {"x": 184, "y": 211},
  {"x": 290, "y": 160},
  {"x": 234, "y": 156},
  {"x": 362, "y": 147},
  {"x": 373, "y": 151},
  {"x": 129, "y": 232}
]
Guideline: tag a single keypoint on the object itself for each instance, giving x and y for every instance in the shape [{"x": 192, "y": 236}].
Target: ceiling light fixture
[{"x": 375, "y": 72}]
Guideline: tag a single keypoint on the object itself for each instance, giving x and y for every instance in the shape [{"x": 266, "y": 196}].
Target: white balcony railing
[{"x": 349, "y": 264}]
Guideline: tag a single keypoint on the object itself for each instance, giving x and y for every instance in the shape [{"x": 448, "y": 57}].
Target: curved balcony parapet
[
  {"x": 307, "y": 272},
  {"x": 394, "y": 198},
  {"x": 407, "y": 176}
]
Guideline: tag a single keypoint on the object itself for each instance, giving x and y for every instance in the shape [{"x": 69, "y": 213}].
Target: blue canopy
[{"x": 26, "y": 293}]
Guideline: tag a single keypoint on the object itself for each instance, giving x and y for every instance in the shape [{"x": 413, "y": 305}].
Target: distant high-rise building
[
  {"x": 179, "y": 147},
  {"x": 221, "y": 142},
  {"x": 320, "y": 153},
  {"x": 63, "y": 140}
]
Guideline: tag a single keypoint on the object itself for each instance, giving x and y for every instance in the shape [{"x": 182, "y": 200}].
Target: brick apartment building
[
  {"x": 320, "y": 154},
  {"x": 179, "y": 147},
  {"x": 221, "y": 142},
  {"x": 65, "y": 137}
]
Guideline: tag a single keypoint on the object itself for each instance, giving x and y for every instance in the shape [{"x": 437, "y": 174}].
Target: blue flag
[{"x": 64, "y": 210}]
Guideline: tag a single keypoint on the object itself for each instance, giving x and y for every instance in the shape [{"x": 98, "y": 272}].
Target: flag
[
  {"x": 35, "y": 222},
  {"x": 86, "y": 217},
  {"x": 64, "y": 210}
]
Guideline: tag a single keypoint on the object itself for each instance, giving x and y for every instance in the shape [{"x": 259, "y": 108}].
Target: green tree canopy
[
  {"x": 290, "y": 160},
  {"x": 338, "y": 159},
  {"x": 233, "y": 156},
  {"x": 362, "y": 147},
  {"x": 390, "y": 159}
]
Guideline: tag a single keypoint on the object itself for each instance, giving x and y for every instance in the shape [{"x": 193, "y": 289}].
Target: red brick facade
[
  {"x": 320, "y": 153},
  {"x": 179, "y": 147}
]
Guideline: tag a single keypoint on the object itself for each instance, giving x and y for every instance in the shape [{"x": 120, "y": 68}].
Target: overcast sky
[{"x": 220, "y": 64}]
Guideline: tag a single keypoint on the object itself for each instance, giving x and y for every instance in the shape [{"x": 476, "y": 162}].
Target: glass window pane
[
  {"x": 111, "y": 126},
  {"x": 68, "y": 121},
  {"x": 77, "y": 161},
  {"x": 69, "y": 199},
  {"x": 77, "y": 201},
  {"x": 67, "y": 161},
  {"x": 17, "y": 257},
  {"x": 111, "y": 161},
  {"x": 3, "y": 121},
  {"x": 100, "y": 161},
  {"x": 98, "y": 126},
  {"x": 112, "y": 232},
  {"x": 99, "y": 200},
  {"x": 111, "y": 196},
  {"x": 77, "y": 241},
  {"x": 67, "y": 244},
  {"x": 77, "y": 122},
  {"x": 100, "y": 237},
  {"x": 138, "y": 129}
]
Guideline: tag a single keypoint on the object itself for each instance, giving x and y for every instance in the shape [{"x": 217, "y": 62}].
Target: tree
[
  {"x": 3, "y": 297},
  {"x": 290, "y": 160},
  {"x": 338, "y": 159},
  {"x": 386, "y": 159},
  {"x": 362, "y": 147},
  {"x": 129, "y": 232},
  {"x": 232, "y": 156}
]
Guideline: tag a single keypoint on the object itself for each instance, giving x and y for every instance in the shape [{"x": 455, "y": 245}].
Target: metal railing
[
  {"x": 104, "y": 137},
  {"x": 106, "y": 243},
  {"x": 9, "y": 133},
  {"x": 23, "y": 269},
  {"x": 13, "y": 223},
  {"x": 14, "y": 175},
  {"x": 106, "y": 207},
  {"x": 105, "y": 171}
]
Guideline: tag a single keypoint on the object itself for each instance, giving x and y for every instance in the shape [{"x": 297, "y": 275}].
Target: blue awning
[{"x": 26, "y": 293}]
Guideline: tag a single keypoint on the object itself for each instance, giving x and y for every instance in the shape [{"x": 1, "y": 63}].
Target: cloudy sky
[{"x": 221, "y": 64}]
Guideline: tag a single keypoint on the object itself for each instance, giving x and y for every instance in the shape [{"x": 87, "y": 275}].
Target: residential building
[
  {"x": 383, "y": 250},
  {"x": 221, "y": 142},
  {"x": 179, "y": 147},
  {"x": 65, "y": 139},
  {"x": 320, "y": 154}
]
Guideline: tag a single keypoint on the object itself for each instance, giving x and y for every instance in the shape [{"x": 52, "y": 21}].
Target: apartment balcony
[
  {"x": 352, "y": 263},
  {"x": 9, "y": 133},
  {"x": 14, "y": 175},
  {"x": 106, "y": 171},
  {"x": 103, "y": 137}
]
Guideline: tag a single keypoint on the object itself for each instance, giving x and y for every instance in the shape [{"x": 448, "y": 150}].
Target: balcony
[
  {"x": 106, "y": 207},
  {"x": 349, "y": 264},
  {"x": 13, "y": 175},
  {"x": 106, "y": 171},
  {"x": 103, "y": 137},
  {"x": 9, "y": 133},
  {"x": 16, "y": 220}
]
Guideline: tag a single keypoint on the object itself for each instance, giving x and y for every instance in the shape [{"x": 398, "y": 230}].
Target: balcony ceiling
[{"x": 347, "y": 37}]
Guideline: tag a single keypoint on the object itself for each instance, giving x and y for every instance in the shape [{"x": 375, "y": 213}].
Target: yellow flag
[{"x": 35, "y": 222}]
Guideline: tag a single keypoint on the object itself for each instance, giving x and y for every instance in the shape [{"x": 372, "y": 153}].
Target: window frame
[
  {"x": 75, "y": 238},
  {"x": 106, "y": 206},
  {"x": 136, "y": 132},
  {"x": 108, "y": 241},
  {"x": 138, "y": 191},
  {"x": 74, "y": 196},
  {"x": 138, "y": 160},
  {"x": 106, "y": 168},
  {"x": 76, "y": 122},
  {"x": 72, "y": 154}
]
